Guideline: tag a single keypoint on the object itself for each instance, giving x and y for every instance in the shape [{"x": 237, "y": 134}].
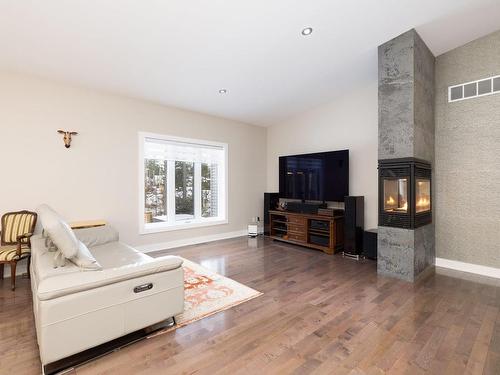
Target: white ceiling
[{"x": 181, "y": 52}]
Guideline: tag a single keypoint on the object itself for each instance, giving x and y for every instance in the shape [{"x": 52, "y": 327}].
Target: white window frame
[{"x": 197, "y": 222}]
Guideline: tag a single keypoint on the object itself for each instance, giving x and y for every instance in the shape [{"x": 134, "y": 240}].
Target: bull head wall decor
[{"x": 67, "y": 137}]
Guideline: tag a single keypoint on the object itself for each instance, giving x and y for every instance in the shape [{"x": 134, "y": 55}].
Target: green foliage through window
[{"x": 155, "y": 182}]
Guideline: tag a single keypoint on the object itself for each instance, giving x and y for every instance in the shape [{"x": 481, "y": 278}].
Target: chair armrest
[
  {"x": 58, "y": 286},
  {"x": 24, "y": 236},
  {"x": 20, "y": 238}
]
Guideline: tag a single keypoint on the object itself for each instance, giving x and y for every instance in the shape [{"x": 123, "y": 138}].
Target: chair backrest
[{"x": 15, "y": 224}]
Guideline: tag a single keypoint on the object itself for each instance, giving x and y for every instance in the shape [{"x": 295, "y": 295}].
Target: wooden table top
[{"x": 87, "y": 224}]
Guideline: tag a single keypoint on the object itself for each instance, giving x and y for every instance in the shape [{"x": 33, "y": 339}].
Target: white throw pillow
[
  {"x": 59, "y": 231},
  {"x": 84, "y": 259},
  {"x": 59, "y": 259},
  {"x": 48, "y": 242}
]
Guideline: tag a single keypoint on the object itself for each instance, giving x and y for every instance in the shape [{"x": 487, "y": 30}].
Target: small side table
[{"x": 87, "y": 224}]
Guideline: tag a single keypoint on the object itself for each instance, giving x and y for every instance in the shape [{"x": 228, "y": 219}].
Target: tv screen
[{"x": 322, "y": 176}]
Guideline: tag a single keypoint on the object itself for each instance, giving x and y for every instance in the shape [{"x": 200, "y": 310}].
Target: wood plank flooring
[{"x": 319, "y": 314}]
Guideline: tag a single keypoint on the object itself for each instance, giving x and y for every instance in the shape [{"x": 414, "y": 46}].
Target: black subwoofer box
[
  {"x": 271, "y": 201},
  {"x": 370, "y": 243},
  {"x": 354, "y": 219}
]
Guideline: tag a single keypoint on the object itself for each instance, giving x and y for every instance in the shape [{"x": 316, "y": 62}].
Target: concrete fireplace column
[{"x": 406, "y": 130}]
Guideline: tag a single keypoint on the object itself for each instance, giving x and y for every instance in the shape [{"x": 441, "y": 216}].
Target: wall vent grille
[{"x": 474, "y": 89}]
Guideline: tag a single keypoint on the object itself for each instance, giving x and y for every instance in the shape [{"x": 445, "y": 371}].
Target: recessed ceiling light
[
  {"x": 307, "y": 31},
  {"x": 223, "y": 91}
]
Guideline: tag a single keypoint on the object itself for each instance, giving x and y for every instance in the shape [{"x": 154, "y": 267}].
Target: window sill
[{"x": 166, "y": 227}]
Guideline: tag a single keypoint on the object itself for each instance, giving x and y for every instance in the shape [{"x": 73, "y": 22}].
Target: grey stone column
[{"x": 406, "y": 129}]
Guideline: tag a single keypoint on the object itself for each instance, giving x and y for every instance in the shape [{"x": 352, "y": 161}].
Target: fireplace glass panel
[
  {"x": 422, "y": 195},
  {"x": 396, "y": 195}
]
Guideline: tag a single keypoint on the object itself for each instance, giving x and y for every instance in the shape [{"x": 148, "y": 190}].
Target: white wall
[
  {"x": 350, "y": 122},
  {"x": 98, "y": 176}
]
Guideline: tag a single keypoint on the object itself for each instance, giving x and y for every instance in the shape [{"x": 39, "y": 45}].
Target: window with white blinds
[{"x": 183, "y": 182}]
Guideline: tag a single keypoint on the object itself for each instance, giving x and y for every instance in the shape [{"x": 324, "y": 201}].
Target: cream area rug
[{"x": 206, "y": 293}]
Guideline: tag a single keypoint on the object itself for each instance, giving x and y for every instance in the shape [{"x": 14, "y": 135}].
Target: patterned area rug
[{"x": 206, "y": 293}]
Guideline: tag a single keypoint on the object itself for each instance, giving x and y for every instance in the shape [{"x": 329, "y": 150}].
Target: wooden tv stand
[{"x": 298, "y": 229}]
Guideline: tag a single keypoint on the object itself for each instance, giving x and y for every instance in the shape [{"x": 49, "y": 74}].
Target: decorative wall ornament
[{"x": 67, "y": 137}]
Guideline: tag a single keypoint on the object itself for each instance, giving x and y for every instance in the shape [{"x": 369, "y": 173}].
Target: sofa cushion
[
  {"x": 119, "y": 263},
  {"x": 97, "y": 236},
  {"x": 84, "y": 259},
  {"x": 66, "y": 284},
  {"x": 117, "y": 254},
  {"x": 58, "y": 230}
]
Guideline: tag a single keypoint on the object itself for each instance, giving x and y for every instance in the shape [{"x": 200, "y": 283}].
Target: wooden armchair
[{"x": 15, "y": 245}]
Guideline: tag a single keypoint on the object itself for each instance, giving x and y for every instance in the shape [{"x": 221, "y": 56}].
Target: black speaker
[
  {"x": 271, "y": 201},
  {"x": 304, "y": 208},
  {"x": 354, "y": 221},
  {"x": 370, "y": 243}
]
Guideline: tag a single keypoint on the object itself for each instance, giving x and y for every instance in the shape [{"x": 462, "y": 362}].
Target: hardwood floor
[{"x": 319, "y": 314}]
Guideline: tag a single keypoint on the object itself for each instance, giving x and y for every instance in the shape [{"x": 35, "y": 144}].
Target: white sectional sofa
[{"x": 78, "y": 309}]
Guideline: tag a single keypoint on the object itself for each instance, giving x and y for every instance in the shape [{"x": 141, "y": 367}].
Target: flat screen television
[{"x": 322, "y": 176}]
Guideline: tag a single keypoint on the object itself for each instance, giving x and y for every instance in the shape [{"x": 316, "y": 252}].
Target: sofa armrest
[{"x": 57, "y": 286}]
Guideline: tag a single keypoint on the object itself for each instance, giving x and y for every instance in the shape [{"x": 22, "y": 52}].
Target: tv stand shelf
[{"x": 319, "y": 232}]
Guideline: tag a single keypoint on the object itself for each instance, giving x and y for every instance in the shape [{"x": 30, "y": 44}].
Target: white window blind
[{"x": 159, "y": 149}]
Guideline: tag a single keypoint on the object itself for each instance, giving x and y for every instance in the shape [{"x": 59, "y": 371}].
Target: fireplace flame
[
  {"x": 391, "y": 202},
  {"x": 423, "y": 203}
]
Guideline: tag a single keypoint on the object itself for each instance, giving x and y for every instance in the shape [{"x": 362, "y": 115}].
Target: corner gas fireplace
[{"x": 404, "y": 193}]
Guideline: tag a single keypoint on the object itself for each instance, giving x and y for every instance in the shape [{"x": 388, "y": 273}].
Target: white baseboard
[
  {"x": 190, "y": 241},
  {"x": 468, "y": 267},
  {"x": 20, "y": 269}
]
